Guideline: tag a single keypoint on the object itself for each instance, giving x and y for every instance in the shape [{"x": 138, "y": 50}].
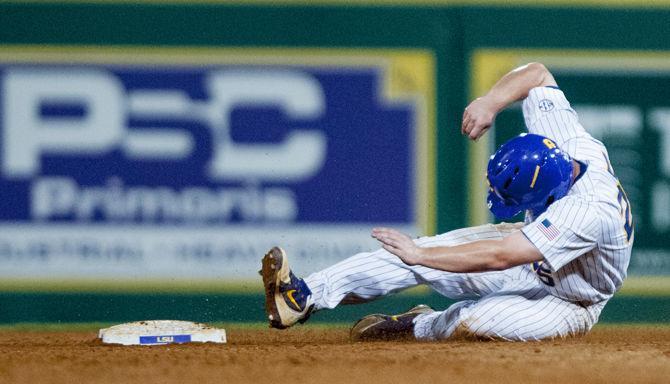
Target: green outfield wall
[{"x": 430, "y": 58}]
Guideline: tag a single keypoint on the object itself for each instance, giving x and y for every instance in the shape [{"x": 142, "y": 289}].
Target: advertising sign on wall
[{"x": 167, "y": 163}]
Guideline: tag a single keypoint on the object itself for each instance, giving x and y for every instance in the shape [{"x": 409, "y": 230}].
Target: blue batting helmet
[{"x": 529, "y": 172}]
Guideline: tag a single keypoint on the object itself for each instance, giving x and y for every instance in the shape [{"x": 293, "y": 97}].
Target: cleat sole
[{"x": 272, "y": 262}]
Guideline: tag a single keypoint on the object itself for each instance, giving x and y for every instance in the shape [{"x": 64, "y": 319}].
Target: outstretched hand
[
  {"x": 398, "y": 244},
  {"x": 478, "y": 118}
]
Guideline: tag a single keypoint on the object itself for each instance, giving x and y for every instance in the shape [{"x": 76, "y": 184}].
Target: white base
[{"x": 161, "y": 332}]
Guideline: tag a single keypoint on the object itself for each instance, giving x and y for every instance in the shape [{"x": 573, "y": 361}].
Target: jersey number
[
  {"x": 624, "y": 204},
  {"x": 625, "y": 212},
  {"x": 543, "y": 273}
]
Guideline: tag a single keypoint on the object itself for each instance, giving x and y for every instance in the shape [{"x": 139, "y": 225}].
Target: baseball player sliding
[{"x": 548, "y": 277}]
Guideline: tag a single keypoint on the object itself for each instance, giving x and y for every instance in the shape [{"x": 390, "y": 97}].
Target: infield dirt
[{"x": 627, "y": 354}]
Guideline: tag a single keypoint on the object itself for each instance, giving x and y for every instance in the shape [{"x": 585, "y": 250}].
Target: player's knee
[
  {"x": 491, "y": 328},
  {"x": 465, "y": 328},
  {"x": 471, "y": 325}
]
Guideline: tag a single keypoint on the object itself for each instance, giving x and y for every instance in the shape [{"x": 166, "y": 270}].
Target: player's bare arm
[
  {"x": 477, "y": 256},
  {"x": 514, "y": 86}
]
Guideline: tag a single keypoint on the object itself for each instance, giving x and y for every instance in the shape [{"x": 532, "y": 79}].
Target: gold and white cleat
[{"x": 287, "y": 298}]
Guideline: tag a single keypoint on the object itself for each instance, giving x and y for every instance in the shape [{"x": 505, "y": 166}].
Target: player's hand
[
  {"x": 478, "y": 117},
  {"x": 398, "y": 244}
]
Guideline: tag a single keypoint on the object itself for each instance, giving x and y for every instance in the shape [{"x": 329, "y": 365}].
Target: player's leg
[
  {"x": 531, "y": 314},
  {"x": 366, "y": 276}
]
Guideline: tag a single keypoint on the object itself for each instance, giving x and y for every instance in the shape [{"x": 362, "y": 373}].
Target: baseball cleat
[
  {"x": 388, "y": 327},
  {"x": 287, "y": 298}
]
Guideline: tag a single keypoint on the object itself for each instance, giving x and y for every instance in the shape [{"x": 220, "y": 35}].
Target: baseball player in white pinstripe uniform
[{"x": 548, "y": 277}]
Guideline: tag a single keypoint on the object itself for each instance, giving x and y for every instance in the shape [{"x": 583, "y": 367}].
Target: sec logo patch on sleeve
[{"x": 545, "y": 105}]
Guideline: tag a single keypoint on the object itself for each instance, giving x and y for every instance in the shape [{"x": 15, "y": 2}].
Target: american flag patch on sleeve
[{"x": 548, "y": 229}]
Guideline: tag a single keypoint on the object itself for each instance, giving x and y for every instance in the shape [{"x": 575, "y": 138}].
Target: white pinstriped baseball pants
[{"x": 510, "y": 305}]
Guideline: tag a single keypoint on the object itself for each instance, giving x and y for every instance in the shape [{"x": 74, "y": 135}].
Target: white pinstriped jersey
[{"x": 586, "y": 237}]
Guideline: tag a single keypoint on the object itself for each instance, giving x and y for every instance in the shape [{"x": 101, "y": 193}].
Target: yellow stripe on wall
[{"x": 633, "y": 286}]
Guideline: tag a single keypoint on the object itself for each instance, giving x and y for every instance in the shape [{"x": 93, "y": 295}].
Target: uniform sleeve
[
  {"x": 568, "y": 229},
  {"x": 547, "y": 112}
]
